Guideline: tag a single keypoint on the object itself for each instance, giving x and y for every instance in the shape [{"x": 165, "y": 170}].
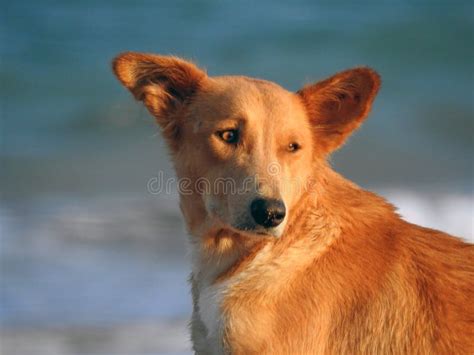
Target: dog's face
[
  {"x": 247, "y": 147},
  {"x": 250, "y": 141}
]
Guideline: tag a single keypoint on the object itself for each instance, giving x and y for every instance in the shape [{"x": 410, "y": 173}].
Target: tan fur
[{"x": 345, "y": 274}]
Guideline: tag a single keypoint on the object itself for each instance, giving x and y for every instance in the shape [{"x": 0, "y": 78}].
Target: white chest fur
[
  {"x": 210, "y": 302},
  {"x": 211, "y": 294}
]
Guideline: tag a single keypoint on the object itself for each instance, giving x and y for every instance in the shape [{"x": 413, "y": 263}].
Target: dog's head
[{"x": 247, "y": 147}]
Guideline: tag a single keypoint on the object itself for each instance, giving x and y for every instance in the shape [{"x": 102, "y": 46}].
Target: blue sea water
[{"x": 84, "y": 243}]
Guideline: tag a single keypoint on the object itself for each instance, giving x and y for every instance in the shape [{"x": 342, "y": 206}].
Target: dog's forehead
[
  {"x": 240, "y": 85},
  {"x": 233, "y": 96}
]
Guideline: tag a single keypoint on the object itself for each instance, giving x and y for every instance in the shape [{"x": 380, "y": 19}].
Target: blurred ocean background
[{"x": 90, "y": 262}]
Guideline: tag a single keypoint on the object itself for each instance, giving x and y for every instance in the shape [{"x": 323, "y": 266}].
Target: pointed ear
[
  {"x": 338, "y": 105},
  {"x": 164, "y": 84}
]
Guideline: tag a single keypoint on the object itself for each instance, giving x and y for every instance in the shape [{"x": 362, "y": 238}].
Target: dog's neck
[{"x": 320, "y": 216}]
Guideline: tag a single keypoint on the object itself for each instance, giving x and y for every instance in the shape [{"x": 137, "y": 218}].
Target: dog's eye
[
  {"x": 293, "y": 147},
  {"x": 230, "y": 136}
]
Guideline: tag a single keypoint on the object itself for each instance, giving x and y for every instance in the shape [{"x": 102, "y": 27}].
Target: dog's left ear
[{"x": 338, "y": 105}]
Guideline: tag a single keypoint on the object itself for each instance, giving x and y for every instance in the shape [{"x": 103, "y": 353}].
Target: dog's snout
[{"x": 268, "y": 213}]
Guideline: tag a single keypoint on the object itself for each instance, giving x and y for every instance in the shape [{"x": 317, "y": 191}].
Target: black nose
[{"x": 268, "y": 213}]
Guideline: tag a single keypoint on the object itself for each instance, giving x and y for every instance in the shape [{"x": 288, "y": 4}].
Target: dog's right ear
[{"x": 164, "y": 84}]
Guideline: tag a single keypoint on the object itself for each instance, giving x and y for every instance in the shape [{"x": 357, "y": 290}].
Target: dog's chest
[
  {"x": 210, "y": 308},
  {"x": 229, "y": 314},
  {"x": 226, "y": 306}
]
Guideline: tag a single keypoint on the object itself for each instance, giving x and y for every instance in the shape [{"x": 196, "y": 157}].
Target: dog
[{"x": 295, "y": 259}]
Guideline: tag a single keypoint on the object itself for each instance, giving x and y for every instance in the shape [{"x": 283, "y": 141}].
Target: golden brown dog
[{"x": 289, "y": 257}]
